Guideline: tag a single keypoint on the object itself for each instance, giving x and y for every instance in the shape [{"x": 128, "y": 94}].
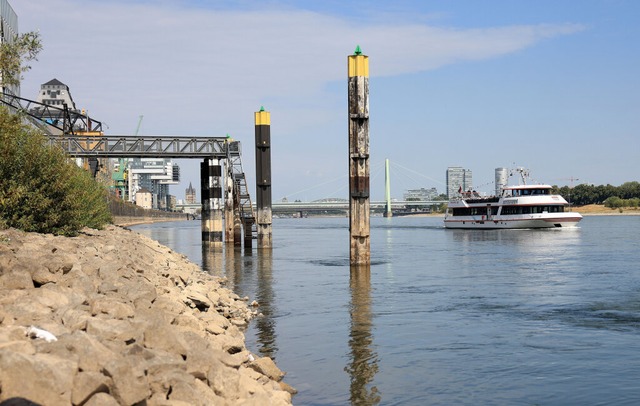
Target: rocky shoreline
[{"x": 114, "y": 318}]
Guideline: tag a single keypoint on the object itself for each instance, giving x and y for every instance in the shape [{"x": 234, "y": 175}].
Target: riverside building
[
  {"x": 57, "y": 94},
  {"x": 458, "y": 179},
  {"x": 421, "y": 195}
]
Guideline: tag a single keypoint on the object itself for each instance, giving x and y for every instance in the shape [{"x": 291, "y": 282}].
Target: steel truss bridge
[{"x": 126, "y": 146}]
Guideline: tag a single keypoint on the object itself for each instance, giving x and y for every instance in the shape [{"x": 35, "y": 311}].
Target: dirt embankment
[{"x": 112, "y": 317}]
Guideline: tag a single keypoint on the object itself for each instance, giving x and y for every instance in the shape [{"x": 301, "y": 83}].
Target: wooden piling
[
  {"x": 360, "y": 244},
  {"x": 263, "y": 178}
]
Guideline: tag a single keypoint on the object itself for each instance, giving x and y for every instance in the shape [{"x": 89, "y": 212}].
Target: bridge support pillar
[
  {"x": 210, "y": 180},
  {"x": 387, "y": 190},
  {"x": 263, "y": 178},
  {"x": 359, "y": 205}
]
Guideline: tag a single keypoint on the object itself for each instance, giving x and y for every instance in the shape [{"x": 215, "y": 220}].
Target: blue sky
[{"x": 549, "y": 85}]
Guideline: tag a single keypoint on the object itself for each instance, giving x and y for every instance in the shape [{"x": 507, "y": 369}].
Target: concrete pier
[
  {"x": 263, "y": 178},
  {"x": 360, "y": 244}
]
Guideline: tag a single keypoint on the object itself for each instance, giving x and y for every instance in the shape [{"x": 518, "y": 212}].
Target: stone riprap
[{"x": 112, "y": 317}]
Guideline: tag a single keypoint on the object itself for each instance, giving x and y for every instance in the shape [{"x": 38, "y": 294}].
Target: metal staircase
[{"x": 242, "y": 199}]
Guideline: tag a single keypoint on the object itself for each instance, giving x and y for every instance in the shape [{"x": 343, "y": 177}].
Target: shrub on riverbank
[
  {"x": 40, "y": 189},
  {"x": 615, "y": 202}
]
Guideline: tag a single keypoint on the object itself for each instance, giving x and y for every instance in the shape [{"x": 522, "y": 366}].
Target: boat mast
[{"x": 524, "y": 174}]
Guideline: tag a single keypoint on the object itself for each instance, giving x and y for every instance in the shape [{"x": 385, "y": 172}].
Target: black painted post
[{"x": 263, "y": 177}]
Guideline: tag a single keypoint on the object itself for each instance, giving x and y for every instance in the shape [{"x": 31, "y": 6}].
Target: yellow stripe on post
[
  {"x": 358, "y": 65},
  {"x": 263, "y": 117}
]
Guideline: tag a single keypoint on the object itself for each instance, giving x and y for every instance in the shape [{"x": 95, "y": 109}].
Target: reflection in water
[
  {"x": 364, "y": 361},
  {"x": 212, "y": 260},
  {"x": 526, "y": 246},
  {"x": 265, "y": 324},
  {"x": 240, "y": 268}
]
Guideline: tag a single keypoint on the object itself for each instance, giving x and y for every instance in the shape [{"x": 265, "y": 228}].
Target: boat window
[{"x": 511, "y": 210}]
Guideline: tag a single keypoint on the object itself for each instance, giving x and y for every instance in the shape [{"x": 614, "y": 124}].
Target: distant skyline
[{"x": 552, "y": 86}]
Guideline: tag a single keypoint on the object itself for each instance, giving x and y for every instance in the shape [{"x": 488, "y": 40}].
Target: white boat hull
[{"x": 554, "y": 220}]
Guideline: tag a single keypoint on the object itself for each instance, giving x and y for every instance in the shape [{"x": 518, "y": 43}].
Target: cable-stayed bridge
[
  {"x": 288, "y": 207},
  {"x": 283, "y": 208}
]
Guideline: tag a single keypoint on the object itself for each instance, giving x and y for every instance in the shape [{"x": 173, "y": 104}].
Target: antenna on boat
[{"x": 524, "y": 174}]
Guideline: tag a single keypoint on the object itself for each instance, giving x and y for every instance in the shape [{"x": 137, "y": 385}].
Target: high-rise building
[
  {"x": 8, "y": 31},
  {"x": 501, "y": 179},
  {"x": 458, "y": 180},
  {"x": 155, "y": 175},
  {"x": 190, "y": 195}
]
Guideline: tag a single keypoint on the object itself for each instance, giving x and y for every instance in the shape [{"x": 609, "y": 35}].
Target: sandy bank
[
  {"x": 600, "y": 210},
  {"x": 112, "y": 317},
  {"x": 126, "y": 221}
]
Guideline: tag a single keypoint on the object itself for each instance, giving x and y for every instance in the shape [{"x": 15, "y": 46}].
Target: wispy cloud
[
  {"x": 170, "y": 59},
  {"x": 193, "y": 70}
]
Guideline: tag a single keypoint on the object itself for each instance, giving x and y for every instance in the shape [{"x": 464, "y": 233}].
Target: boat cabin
[{"x": 526, "y": 190}]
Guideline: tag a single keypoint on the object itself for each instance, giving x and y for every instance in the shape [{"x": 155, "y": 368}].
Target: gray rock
[
  {"x": 86, "y": 384},
  {"x": 266, "y": 366},
  {"x": 102, "y": 399},
  {"x": 16, "y": 279},
  {"x": 42, "y": 378},
  {"x": 129, "y": 383}
]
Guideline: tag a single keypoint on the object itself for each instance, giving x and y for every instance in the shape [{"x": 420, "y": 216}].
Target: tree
[{"x": 15, "y": 55}]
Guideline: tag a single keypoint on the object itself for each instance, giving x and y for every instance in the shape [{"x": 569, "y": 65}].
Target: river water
[{"x": 531, "y": 317}]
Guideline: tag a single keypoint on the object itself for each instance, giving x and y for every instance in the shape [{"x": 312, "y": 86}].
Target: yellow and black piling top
[
  {"x": 358, "y": 64},
  {"x": 262, "y": 117}
]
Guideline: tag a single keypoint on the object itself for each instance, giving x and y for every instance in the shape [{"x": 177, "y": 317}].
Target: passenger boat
[{"x": 522, "y": 206}]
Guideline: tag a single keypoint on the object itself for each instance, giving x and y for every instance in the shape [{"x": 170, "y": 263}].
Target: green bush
[
  {"x": 614, "y": 202},
  {"x": 40, "y": 189}
]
